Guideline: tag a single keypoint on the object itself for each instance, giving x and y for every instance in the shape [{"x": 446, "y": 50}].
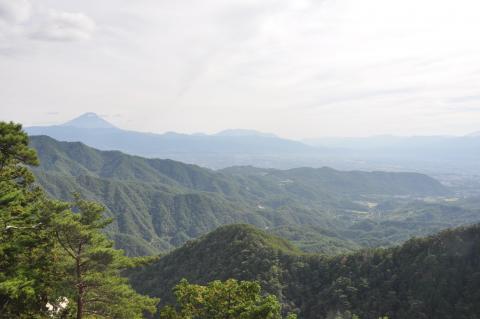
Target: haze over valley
[{"x": 451, "y": 159}]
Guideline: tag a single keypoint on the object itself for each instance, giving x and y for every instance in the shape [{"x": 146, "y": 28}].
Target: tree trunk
[
  {"x": 80, "y": 290},
  {"x": 80, "y": 304}
]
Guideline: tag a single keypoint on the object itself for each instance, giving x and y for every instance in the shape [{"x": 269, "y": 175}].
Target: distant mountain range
[
  {"x": 94, "y": 131},
  {"x": 423, "y": 145},
  {"x": 429, "y": 154},
  {"x": 241, "y": 132},
  {"x": 475, "y": 134},
  {"x": 160, "y": 204},
  {"x": 438, "y": 155}
]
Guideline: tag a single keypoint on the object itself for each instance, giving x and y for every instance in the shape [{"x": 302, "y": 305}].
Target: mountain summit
[
  {"x": 243, "y": 132},
  {"x": 89, "y": 120}
]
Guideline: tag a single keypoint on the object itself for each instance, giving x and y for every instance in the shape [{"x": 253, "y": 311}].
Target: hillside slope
[
  {"x": 349, "y": 183},
  {"x": 73, "y": 158},
  {"x": 434, "y": 277},
  {"x": 159, "y": 204}
]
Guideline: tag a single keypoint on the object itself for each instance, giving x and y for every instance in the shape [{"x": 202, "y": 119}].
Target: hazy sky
[{"x": 296, "y": 68}]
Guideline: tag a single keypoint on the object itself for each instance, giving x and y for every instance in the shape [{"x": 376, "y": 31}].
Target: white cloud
[
  {"x": 14, "y": 11},
  {"x": 13, "y": 16},
  {"x": 65, "y": 26},
  {"x": 21, "y": 21}
]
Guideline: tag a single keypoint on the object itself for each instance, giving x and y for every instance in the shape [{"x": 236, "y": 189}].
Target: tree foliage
[
  {"x": 53, "y": 253},
  {"x": 26, "y": 263},
  {"x": 92, "y": 267},
  {"x": 230, "y": 299}
]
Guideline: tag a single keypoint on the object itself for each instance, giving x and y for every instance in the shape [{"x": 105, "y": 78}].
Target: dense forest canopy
[{"x": 433, "y": 277}]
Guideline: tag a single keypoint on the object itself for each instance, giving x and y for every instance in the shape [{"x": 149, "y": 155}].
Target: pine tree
[
  {"x": 50, "y": 255},
  {"x": 93, "y": 267},
  {"x": 25, "y": 238}
]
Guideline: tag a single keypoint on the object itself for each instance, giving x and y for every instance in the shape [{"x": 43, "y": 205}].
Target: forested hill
[
  {"x": 74, "y": 158},
  {"x": 434, "y": 277},
  {"x": 328, "y": 180},
  {"x": 159, "y": 204}
]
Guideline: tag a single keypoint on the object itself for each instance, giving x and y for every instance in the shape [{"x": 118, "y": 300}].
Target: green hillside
[
  {"x": 233, "y": 251},
  {"x": 316, "y": 239},
  {"x": 149, "y": 218},
  {"x": 159, "y": 204},
  {"x": 434, "y": 277},
  {"x": 307, "y": 180}
]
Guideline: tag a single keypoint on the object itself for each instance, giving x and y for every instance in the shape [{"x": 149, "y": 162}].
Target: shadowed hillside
[{"x": 434, "y": 277}]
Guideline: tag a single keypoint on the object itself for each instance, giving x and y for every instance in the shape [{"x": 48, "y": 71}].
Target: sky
[{"x": 296, "y": 68}]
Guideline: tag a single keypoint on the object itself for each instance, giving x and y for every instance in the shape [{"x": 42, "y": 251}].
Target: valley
[{"x": 158, "y": 205}]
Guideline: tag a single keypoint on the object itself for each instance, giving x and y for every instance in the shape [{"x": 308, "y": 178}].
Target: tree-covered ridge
[
  {"x": 160, "y": 204},
  {"x": 305, "y": 180},
  {"x": 74, "y": 158},
  {"x": 433, "y": 277},
  {"x": 242, "y": 252}
]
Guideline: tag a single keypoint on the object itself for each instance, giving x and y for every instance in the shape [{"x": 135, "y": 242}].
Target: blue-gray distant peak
[
  {"x": 242, "y": 132},
  {"x": 89, "y": 120},
  {"x": 475, "y": 134}
]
